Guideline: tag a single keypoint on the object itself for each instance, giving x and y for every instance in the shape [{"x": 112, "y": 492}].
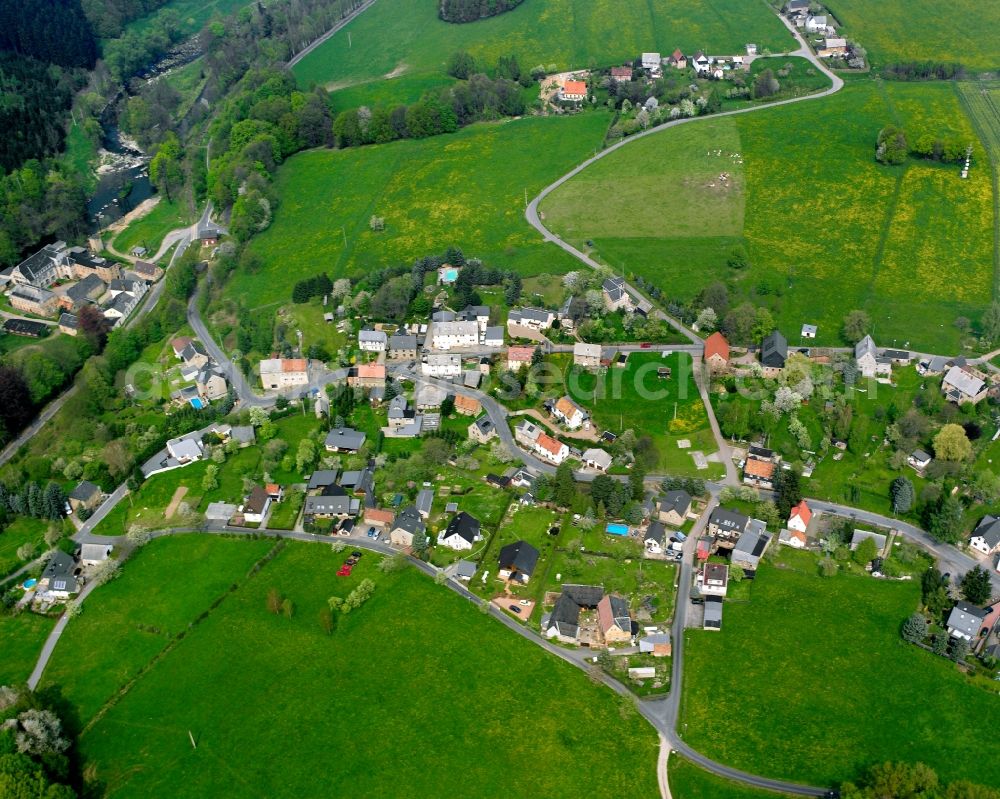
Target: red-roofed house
[
  {"x": 551, "y": 449},
  {"x": 759, "y": 473},
  {"x": 799, "y": 517},
  {"x": 573, "y": 91},
  {"x": 273, "y": 490},
  {"x": 367, "y": 375},
  {"x": 717, "y": 351},
  {"x": 677, "y": 59},
  {"x": 621, "y": 73},
  {"x": 518, "y": 357},
  {"x": 379, "y": 517},
  {"x": 179, "y": 344}
]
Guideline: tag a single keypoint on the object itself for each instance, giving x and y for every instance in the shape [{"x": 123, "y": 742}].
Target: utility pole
[
  {"x": 193, "y": 744},
  {"x": 344, "y": 232},
  {"x": 348, "y": 40}
]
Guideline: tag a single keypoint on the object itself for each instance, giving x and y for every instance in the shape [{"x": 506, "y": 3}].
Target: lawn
[
  {"x": 432, "y": 193},
  {"x": 356, "y": 696},
  {"x": 285, "y": 513},
  {"x": 919, "y": 30},
  {"x": 860, "y": 236},
  {"x": 129, "y": 621},
  {"x": 687, "y": 781},
  {"x": 21, "y": 530},
  {"x": 668, "y": 411},
  {"x": 22, "y": 637},
  {"x": 833, "y": 683},
  {"x": 407, "y": 41},
  {"x": 148, "y": 231}
]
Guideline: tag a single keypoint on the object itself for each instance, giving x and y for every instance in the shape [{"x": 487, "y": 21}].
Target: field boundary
[
  {"x": 174, "y": 642},
  {"x": 890, "y": 214},
  {"x": 987, "y": 128}
]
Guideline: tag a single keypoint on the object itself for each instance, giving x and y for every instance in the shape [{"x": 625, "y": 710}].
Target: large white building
[
  {"x": 450, "y": 335},
  {"x": 284, "y": 372},
  {"x": 441, "y": 365}
]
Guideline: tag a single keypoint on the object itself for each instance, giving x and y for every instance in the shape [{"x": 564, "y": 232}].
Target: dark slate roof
[
  {"x": 584, "y": 595},
  {"x": 679, "y": 501},
  {"x": 464, "y": 526},
  {"x": 90, "y": 286},
  {"x": 59, "y": 572},
  {"x": 256, "y": 501},
  {"x": 23, "y": 327},
  {"x": 322, "y": 478},
  {"x": 656, "y": 532},
  {"x": 774, "y": 350},
  {"x": 84, "y": 491},
  {"x": 729, "y": 520},
  {"x": 519, "y": 556},
  {"x": 485, "y": 425},
  {"x": 989, "y": 529},
  {"x": 409, "y": 519},
  {"x": 565, "y": 617}
]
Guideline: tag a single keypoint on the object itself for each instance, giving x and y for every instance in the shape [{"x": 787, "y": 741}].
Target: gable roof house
[
  {"x": 517, "y": 561},
  {"x": 402, "y": 347},
  {"x": 867, "y": 360},
  {"x": 408, "y": 524},
  {"x": 713, "y": 579},
  {"x": 424, "y": 501},
  {"x": 964, "y": 385},
  {"x": 773, "y": 353},
  {"x": 59, "y": 578},
  {"x": 614, "y": 619},
  {"x": 573, "y": 91},
  {"x": 446, "y": 335},
  {"x": 861, "y": 535},
  {"x": 587, "y": 355},
  {"x": 563, "y": 621},
  {"x": 713, "y": 613},
  {"x": 185, "y": 449},
  {"x": 344, "y": 439},
  {"x": 651, "y": 62},
  {"x": 441, "y": 364},
  {"x": 986, "y": 537},
  {"x": 727, "y": 523},
  {"x": 530, "y": 318},
  {"x": 467, "y": 406},
  {"x": 621, "y": 73},
  {"x": 284, "y": 372},
  {"x": 331, "y": 502},
  {"x": 919, "y": 460},
  {"x": 372, "y": 340},
  {"x": 615, "y": 295},
  {"x": 750, "y": 547},
  {"x": 518, "y": 356},
  {"x": 677, "y": 59},
  {"x": 799, "y": 517},
  {"x": 716, "y": 351},
  {"x": 796, "y": 539},
  {"x": 462, "y": 532},
  {"x": 551, "y": 449},
  {"x": 93, "y": 554},
  {"x": 68, "y": 324},
  {"x": 87, "y": 290},
  {"x": 965, "y": 621},
  {"x": 674, "y": 507},
  {"x": 758, "y": 469},
  {"x": 570, "y": 413},
  {"x": 85, "y": 495},
  {"x": 256, "y": 506},
  {"x": 33, "y": 300},
  {"x": 655, "y": 538},
  {"x": 596, "y": 459},
  {"x": 482, "y": 430}
]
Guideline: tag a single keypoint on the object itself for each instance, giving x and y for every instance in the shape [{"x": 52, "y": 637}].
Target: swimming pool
[
  {"x": 451, "y": 275},
  {"x": 196, "y": 403},
  {"x": 29, "y": 584},
  {"x": 617, "y": 529}
]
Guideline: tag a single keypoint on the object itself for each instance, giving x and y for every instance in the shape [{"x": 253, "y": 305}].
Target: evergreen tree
[
  {"x": 788, "y": 491},
  {"x": 565, "y": 485},
  {"x": 915, "y": 629},
  {"x": 54, "y": 501},
  {"x": 976, "y": 586},
  {"x": 902, "y": 495}
]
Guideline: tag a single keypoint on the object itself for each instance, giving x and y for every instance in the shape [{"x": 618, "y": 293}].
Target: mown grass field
[
  {"x": 467, "y": 189},
  {"x": 687, "y": 781},
  {"x": 921, "y": 30},
  {"x": 827, "y": 228},
  {"x": 149, "y": 230},
  {"x": 665, "y": 410},
  {"x": 375, "y": 687},
  {"x": 833, "y": 684},
  {"x": 406, "y": 40},
  {"x": 21, "y": 530},
  {"x": 23, "y": 637}
]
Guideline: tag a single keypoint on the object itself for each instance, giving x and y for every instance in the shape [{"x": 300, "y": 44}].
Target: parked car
[
  {"x": 514, "y": 608},
  {"x": 344, "y": 571},
  {"x": 357, "y": 553},
  {"x": 645, "y": 345},
  {"x": 378, "y": 535}
]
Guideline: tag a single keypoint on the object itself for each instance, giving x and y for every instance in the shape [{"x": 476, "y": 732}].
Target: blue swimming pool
[
  {"x": 451, "y": 275},
  {"x": 197, "y": 403},
  {"x": 617, "y": 529},
  {"x": 29, "y": 584}
]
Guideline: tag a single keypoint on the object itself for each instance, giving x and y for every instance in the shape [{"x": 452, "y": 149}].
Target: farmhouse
[
  {"x": 674, "y": 507},
  {"x": 832, "y": 46},
  {"x": 621, "y": 74},
  {"x": 279, "y": 373},
  {"x": 518, "y": 356},
  {"x": 573, "y": 91},
  {"x": 59, "y": 578},
  {"x": 441, "y": 365},
  {"x": 919, "y": 460},
  {"x": 796, "y": 539},
  {"x": 816, "y": 24},
  {"x": 751, "y": 546},
  {"x": 517, "y": 562},
  {"x": 563, "y": 621},
  {"x": 964, "y": 385},
  {"x": 758, "y": 469},
  {"x": 716, "y": 351},
  {"x": 536, "y": 319},
  {"x": 86, "y": 495},
  {"x": 677, "y": 60},
  {"x": 367, "y": 375},
  {"x": 68, "y": 324},
  {"x": 986, "y": 537},
  {"x": 144, "y": 270},
  {"x": 462, "y": 532},
  {"x": 467, "y": 406},
  {"x": 614, "y": 619},
  {"x": 964, "y": 621},
  {"x": 867, "y": 360},
  {"x": 652, "y": 63},
  {"x": 655, "y": 538},
  {"x": 256, "y": 506},
  {"x": 429, "y": 397},
  {"x": 586, "y": 355},
  {"x": 861, "y": 535},
  {"x": 449, "y": 335},
  {"x": 570, "y": 413},
  {"x": 33, "y": 300},
  {"x": 773, "y": 354},
  {"x": 402, "y": 347},
  {"x": 372, "y": 341}
]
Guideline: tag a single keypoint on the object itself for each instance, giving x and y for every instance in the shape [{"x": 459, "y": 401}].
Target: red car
[
  {"x": 645, "y": 345},
  {"x": 344, "y": 571}
]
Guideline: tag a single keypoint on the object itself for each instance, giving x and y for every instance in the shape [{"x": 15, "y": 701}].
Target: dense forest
[
  {"x": 471, "y": 10},
  {"x": 53, "y": 31},
  {"x": 109, "y": 17}
]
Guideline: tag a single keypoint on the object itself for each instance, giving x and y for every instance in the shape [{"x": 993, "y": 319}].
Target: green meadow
[
  {"x": 278, "y": 707},
  {"x": 23, "y": 637},
  {"x": 687, "y": 781},
  {"x": 148, "y": 231},
  {"x": 920, "y": 30},
  {"x": 467, "y": 189},
  {"x": 405, "y": 41},
  {"x": 830, "y": 684},
  {"x": 827, "y": 228}
]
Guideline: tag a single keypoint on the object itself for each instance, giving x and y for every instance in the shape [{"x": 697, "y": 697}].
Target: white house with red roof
[
  {"x": 573, "y": 91},
  {"x": 799, "y": 517}
]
